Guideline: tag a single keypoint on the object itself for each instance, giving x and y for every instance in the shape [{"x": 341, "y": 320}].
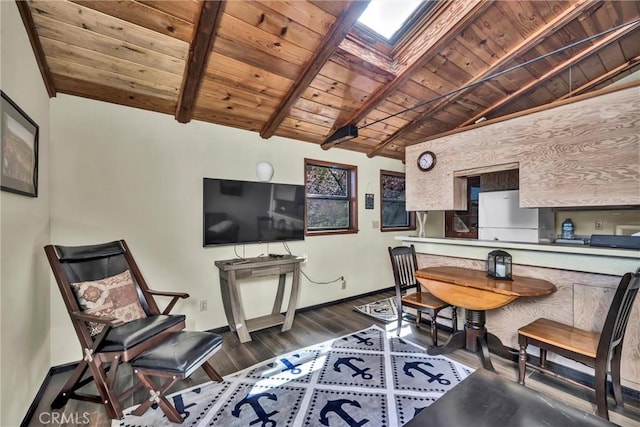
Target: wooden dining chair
[
  {"x": 601, "y": 351},
  {"x": 404, "y": 264}
]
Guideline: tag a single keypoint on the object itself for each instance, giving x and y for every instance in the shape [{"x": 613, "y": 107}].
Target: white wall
[
  {"x": 119, "y": 173},
  {"x": 24, "y": 286}
]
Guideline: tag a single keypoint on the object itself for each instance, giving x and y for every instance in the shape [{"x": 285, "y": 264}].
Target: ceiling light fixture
[
  {"x": 350, "y": 131},
  {"x": 345, "y": 133}
]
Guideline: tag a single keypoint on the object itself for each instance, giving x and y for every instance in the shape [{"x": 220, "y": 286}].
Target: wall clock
[{"x": 426, "y": 161}]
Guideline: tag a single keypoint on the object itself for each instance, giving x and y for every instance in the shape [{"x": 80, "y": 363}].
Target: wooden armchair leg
[
  {"x": 70, "y": 385},
  {"x": 211, "y": 372},
  {"x": 108, "y": 396}
]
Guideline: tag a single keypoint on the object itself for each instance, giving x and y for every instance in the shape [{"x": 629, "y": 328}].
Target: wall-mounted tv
[{"x": 238, "y": 212}]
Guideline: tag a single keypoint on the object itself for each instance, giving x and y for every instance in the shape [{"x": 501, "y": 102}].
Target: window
[
  {"x": 331, "y": 191},
  {"x": 387, "y": 25},
  {"x": 393, "y": 206},
  {"x": 386, "y": 18},
  {"x": 465, "y": 223}
]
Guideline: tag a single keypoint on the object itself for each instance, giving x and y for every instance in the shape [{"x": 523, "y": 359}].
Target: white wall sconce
[{"x": 264, "y": 171}]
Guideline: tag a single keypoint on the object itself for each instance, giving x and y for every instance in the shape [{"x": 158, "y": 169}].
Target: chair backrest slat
[
  {"x": 615, "y": 324},
  {"x": 404, "y": 264}
]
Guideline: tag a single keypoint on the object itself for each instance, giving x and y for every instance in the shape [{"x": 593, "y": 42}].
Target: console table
[{"x": 232, "y": 270}]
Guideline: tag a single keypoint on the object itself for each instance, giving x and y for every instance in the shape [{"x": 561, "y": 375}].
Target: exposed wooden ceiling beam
[
  {"x": 609, "y": 74},
  {"x": 329, "y": 44},
  {"x": 27, "y": 20},
  {"x": 199, "y": 51},
  {"x": 527, "y": 44},
  {"x": 610, "y": 38},
  {"x": 451, "y": 20}
]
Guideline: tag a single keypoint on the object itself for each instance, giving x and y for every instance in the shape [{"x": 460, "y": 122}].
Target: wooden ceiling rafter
[
  {"x": 41, "y": 59},
  {"x": 286, "y": 67},
  {"x": 199, "y": 51},
  {"x": 608, "y": 39},
  {"x": 571, "y": 13},
  {"x": 454, "y": 20},
  {"x": 604, "y": 77},
  {"x": 329, "y": 44}
]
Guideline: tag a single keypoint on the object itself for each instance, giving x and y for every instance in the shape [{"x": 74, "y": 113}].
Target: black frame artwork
[{"x": 18, "y": 150}]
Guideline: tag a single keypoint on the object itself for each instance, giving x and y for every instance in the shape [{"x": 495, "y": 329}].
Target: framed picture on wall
[{"x": 18, "y": 150}]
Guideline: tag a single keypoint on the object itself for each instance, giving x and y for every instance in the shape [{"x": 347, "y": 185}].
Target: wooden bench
[{"x": 175, "y": 359}]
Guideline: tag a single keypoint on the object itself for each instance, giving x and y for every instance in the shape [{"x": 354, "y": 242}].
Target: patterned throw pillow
[{"x": 113, "y": 296}]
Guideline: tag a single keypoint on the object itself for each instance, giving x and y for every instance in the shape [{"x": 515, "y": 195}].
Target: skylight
[{"x": 386, "y": 17}]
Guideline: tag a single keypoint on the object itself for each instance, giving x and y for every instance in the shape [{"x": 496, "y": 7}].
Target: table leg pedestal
[{"x": 475, "y": 338}]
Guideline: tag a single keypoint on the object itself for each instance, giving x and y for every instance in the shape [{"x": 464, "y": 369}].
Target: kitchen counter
[
  {"x": 585, "y": 277},
  {"x": 572, "y": 257}
]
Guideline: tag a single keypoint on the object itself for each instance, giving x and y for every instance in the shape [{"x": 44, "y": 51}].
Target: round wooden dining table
[{"x": 475, "y": 292}]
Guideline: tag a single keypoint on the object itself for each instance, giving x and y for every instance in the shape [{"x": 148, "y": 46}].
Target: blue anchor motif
[
  {"x": 291, "y": 366},
  {"x": 335, "y": 406},
  {"x": 415, "y": 366},
  {"x": 346, "y": 361},
  {"x": 178, "y": 403},
  {"x": 363, "y": 340},
  {"x": 253, "y": 401}
]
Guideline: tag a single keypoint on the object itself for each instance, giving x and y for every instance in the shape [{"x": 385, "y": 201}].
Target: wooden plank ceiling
[{"x": 303, "y": 68}]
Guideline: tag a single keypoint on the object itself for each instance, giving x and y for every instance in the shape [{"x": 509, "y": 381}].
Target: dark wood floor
[{"x": 311, "y": 327}]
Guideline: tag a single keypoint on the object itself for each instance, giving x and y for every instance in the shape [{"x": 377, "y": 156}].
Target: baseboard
[
  {"x": 629, "y": 395},
  {"x": 54, "y": 370},
  {"x": 223, "y": 329}
]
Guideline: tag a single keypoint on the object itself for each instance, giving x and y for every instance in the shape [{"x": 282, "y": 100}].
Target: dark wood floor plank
[{"x": 312, "y": 327}]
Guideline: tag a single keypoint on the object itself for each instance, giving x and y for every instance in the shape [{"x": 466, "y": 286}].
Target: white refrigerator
[{"x": 501, "y": 218}]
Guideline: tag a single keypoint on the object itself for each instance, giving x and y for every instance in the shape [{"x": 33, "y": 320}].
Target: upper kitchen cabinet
[{"x": 580, "y": 153}]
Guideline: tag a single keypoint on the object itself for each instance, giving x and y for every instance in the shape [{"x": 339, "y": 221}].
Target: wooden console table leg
[
  {"x": 277, "y": 305},
  {"x": 236, "y": 309},
  {"x": 226, "y": 300},
  {"x": 293, "y": 298}
]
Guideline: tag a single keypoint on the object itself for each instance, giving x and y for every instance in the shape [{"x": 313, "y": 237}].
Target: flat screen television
[{"x": 238, "y": 212}]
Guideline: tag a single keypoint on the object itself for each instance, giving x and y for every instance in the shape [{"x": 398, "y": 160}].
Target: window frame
[
  {"x": 411, "y": 30},
  {"x": 352, "y": 171},
  {"x": 412, "y": 214}
]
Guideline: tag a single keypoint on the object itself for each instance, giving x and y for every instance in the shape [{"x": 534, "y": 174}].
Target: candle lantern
[{"x": 499, "y": 265}]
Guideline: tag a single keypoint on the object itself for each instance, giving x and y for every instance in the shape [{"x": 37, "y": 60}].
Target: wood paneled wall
[
  {"x": 586, "y": 153},
  {"x": 582, "y": 300}
]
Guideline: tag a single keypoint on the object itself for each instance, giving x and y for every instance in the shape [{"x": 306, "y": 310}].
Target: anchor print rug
[
  {"x": 367, "y": 378},
  {"x": 384, "y": 310}
]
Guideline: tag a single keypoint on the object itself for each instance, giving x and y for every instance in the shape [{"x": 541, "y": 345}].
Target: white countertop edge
[{"x": 581, "y": 258}]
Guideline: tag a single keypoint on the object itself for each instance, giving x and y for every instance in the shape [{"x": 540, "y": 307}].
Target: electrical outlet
[
  {"x": 599, "y": 225},
  {"x": 375, "y": 224},
  {"x": 203, "y": 305},
  {"x": 343, "y": 282}
]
